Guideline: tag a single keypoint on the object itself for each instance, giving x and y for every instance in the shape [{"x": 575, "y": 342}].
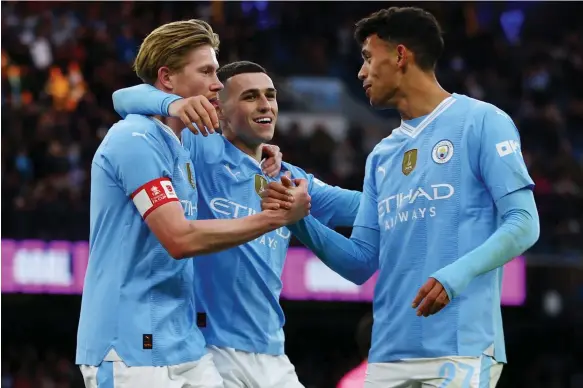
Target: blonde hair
[{"x": 170, "y": 44}]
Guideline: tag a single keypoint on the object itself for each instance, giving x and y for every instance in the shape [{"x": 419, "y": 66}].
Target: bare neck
[
  {"x": 175, "y": 124},
  {"x": 172, "y": 122},
  {"x": 420, "y": 94},
  {"x": 254, "y": 151}
]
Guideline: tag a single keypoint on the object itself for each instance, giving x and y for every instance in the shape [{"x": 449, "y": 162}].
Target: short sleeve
[
  {"x": 367, "y": 216},
  {"x": 142, "y": 167},
  {"x": 137, "y": 158},
  {"x": 502, "y": 166}
]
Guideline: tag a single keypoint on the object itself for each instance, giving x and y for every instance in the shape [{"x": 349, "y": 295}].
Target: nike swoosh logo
[{"x": 139, "y": 134}]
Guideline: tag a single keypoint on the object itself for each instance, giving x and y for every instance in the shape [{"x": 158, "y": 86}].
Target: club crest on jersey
[
  {"x": 442, "y": 152},
  {"x": 409, "y": 161},
  {"x": 190, "y": 175},
  {"x": 260, "y": 184}
]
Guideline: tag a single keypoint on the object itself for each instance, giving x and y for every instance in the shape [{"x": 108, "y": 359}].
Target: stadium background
[{"x": 61, "y": 62}]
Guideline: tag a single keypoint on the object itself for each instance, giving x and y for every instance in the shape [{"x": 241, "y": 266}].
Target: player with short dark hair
[
  {"x": 413, "y": 27},
  {"x": 447, "y": 201},
  {"x": 239, "y": 67},
  {"x": 237, "y": 291}
]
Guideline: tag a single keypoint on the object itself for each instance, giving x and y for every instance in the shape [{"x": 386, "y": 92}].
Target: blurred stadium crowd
[{"x": 61, "y": 62}]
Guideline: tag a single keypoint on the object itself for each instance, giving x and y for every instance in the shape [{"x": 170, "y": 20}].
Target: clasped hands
[{"x": 289, "y": 197}]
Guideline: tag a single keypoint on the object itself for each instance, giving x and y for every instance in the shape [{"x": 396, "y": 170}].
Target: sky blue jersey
[
  {"x": 137, "y": 299},
  {"x": 237, "y": 291},
  {"x": 430, "y": 190}
]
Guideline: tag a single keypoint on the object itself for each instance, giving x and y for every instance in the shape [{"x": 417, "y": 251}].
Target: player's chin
[
  {"x": 264, "y": 131},
  {"x": 380, "y": 103},
  {"x": 376, "y": 104},
  {"x": 373, "y": 100}
]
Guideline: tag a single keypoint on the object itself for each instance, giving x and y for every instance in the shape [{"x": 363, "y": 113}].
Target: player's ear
[
  {"x": 402, "y": 55},
  {"x": 164, "y": 77}
]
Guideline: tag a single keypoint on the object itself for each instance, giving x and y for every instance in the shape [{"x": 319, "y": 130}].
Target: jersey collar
[
  {"x": 413, "y": 132},
  {"x": 166, "y": 129}
]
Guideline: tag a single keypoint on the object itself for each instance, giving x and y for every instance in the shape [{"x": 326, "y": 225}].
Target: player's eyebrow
[
  {"x": 255, "y": 92},
  {"x": 209, "y": 67}
]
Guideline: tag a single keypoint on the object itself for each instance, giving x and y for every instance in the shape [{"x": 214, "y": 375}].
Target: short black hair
[
  {"x": 413, "y": 27},
  {"x": 364, "y": 334},
  {"x": 239, "y": 67}
]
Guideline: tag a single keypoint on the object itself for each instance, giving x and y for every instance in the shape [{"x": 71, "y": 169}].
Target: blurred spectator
[
  {"x": 40, "y": 49},
  {"x": 58, "y": 88},
  {"x": 127, "y": 46}
]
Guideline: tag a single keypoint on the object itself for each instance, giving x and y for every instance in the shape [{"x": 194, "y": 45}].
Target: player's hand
[
  {"x": 301, "y": 202},
  {"x": 197, "y": 110},
  {"x": 431, "y": 298},
  {"x": 278, "y": 195},
  {"x": 295, "y": 204},
  {"x": 272, "y": 164}
]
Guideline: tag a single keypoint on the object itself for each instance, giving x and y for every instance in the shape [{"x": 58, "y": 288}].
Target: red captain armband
[{"x": 152, "y": 195}]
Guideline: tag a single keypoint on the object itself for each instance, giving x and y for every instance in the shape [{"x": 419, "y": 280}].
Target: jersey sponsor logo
[
  {"x": 508, "y": 147},
  {"x": 413, "y": 205},
  {"x": 409, "y": 161},
  {"x": 224, "y": 207},
  {"x": 190, "y": 209},
  {"x": 442, "y": 152},
  {"x": 190, "y": 176},
  {"x": 260, "y": 184},
  {"x": 152, "y": 195}
]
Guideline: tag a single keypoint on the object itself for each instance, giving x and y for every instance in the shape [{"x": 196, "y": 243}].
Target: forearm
[
  {"x": 346, "y": 209},
  {"x": 208, "y": 236},
  {"x": 355, "y": 259},
  {"x": 142, "y": 99},
  {"x": 518, "y": 232}
]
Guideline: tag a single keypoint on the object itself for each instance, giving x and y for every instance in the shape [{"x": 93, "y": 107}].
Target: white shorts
[
  {"x": 450, "y": 372},
  {"x": 116, "y": 374},
  {"x": 252, "y": 370}
]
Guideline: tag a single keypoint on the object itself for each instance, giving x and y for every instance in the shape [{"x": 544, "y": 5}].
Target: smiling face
[{"x": 249, "y": 108}]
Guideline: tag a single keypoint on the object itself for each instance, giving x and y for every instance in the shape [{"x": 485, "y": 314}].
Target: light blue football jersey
[
  {"x": 237, "y": 290},
  {"x": 430, "y": 190},
  {"x": 137, "y": 299}
]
